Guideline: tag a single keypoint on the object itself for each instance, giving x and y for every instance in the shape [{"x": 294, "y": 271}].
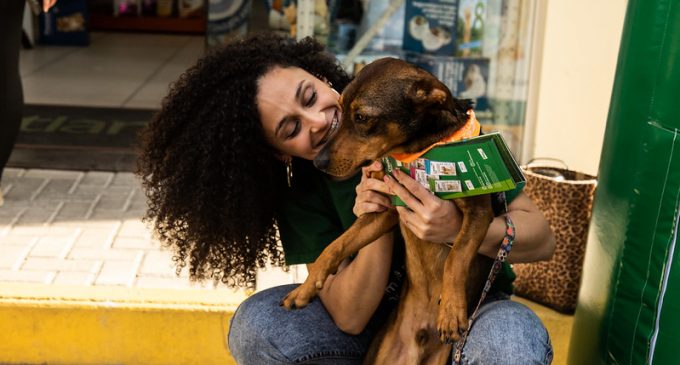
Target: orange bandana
[{"x": 469, "y": 130}]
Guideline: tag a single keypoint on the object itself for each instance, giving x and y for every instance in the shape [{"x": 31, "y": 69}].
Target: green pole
[{"x": 629, "y": 303}]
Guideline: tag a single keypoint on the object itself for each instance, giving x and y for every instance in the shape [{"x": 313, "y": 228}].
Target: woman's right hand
[{"x": 372, "y": 194}]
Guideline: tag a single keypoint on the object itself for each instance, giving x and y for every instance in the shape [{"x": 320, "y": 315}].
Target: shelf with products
[
  {"x": 148, "y": 24},
  {"x": 173, "y": 16}
]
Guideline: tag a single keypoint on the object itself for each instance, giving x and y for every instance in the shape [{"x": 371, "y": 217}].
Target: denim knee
[
  {"x": 262, "y": 333},
  {"x": 247, "y": 338},
  {"x": 507, "y": 332}
]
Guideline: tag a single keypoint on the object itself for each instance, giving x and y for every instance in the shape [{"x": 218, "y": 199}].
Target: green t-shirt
[
  {"x": 315, "y": 212},
  {"x": 318, "y": 209}
]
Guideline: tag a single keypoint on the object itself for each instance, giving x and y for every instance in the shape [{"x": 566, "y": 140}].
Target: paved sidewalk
[
  {"x": 85, "y": 228},
  {"x": 81, "y": 228}
]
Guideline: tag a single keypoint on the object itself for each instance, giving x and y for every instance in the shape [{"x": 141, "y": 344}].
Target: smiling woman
[
  {"x": 212, "y": 161},
  {"x": 298, "y": 111}
]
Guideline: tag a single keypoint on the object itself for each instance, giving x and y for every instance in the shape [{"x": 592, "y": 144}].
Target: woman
[{"x": 226, "y": 165}]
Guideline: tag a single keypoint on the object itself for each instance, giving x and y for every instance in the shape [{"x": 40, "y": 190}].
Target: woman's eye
[
  {"x": 295, "y": 131},
  {"x": 311, "y": 99}
]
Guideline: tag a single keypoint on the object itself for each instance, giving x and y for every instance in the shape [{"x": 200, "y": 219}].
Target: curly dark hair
[{"x": 212, "y": 181}]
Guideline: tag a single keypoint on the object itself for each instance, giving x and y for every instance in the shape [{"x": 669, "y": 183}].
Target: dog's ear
[{"x": 426, "y": 93}]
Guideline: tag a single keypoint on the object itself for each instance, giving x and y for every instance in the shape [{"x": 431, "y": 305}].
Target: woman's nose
[{"x": 316, "y": 120}]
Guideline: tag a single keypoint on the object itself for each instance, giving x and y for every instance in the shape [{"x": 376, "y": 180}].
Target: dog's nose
[{"x": 322, "y": 159}]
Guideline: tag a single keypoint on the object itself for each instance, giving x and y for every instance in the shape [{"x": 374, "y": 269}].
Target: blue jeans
[{"x": 263, "y": 333}]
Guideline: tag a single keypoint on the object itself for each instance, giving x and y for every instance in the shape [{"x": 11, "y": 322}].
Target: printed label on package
[
  {"x": 447, "y": 186},
  {"x": 441, "y": 168}
]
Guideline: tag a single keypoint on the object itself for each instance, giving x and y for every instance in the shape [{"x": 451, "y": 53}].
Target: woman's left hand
[{"x": 427, "y": 216}]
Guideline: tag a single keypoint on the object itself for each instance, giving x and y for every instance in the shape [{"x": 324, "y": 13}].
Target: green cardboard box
[{"x": 475, "y": 166}]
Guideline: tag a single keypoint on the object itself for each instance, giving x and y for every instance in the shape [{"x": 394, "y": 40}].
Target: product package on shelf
[
  {"x": 126, "y": 8},
  {"x": 475, "y": 166},
  {"x": 282, "y": 16},
  {"x": 66, "y": 23},
  {"x": 190, "y": 8},
  {"x": 430, "y": 26},
  {"x": 470, "y": 27}
]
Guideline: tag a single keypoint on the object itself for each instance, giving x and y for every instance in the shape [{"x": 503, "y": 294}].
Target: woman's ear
[{"x": 285, "y": 158}]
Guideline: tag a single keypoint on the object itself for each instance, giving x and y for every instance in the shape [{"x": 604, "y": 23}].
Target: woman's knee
[
  {"x": 507, "y": 332},
  {"x": 262, "y": 332},
  {"x": 252, "y": 337}
]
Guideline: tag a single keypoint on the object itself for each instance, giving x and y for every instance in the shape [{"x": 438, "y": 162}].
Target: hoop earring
[{"x": 289, "y": 172}]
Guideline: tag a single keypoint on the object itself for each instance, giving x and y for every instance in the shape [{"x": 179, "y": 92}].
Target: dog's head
[{"x": 390, "y": 107}]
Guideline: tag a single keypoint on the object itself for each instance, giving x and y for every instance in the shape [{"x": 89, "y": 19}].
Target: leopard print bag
[{"x": 565, "y": 197}]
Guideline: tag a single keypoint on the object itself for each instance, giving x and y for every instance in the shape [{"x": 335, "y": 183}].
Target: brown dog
[{"x": 395, "y": 107}]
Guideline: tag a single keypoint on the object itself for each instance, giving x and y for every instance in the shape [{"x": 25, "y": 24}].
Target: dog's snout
[{"x": 322, "y": 160}]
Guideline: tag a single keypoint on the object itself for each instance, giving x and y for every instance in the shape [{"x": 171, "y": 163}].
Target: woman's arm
[
  {"x": 352, "y": 295},
  {"x": 534, "y": 240}
]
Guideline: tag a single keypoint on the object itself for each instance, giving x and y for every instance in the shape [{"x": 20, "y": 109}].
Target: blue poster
[
  {"x": 430, "y": 26},
  {"x": 227, "y": 19}
]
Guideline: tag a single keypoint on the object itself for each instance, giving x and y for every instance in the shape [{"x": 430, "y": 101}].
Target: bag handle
[
  {"x": 547, "y": 171},
  {"x": 560, "y": 161},
  {"x": 553, "y": 172}
]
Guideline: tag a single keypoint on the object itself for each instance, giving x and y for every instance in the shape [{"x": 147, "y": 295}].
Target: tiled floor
[
  {"x": 83, "y": 228},
  {"x": 129, "y": 70}
]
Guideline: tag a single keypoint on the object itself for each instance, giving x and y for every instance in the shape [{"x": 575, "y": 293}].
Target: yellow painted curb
[{"x": 110, "y": 325}]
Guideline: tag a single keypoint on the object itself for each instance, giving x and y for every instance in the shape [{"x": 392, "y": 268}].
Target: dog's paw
[
  {"x": 300, "y": 296},
  {"x": 452, "y": 321}
]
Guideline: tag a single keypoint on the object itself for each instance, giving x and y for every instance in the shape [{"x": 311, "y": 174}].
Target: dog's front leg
[
  {"x": 366, "y": 229},
  {"x": 477, "y": 216}
]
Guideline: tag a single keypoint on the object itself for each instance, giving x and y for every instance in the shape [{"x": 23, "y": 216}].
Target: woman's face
[{"x": 299, "y": 112}]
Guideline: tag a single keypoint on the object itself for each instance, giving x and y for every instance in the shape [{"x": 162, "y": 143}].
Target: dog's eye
[{"x": 359, "y": 118}]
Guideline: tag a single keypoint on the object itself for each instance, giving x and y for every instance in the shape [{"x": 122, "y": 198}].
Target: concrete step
[{"x": 93, "y": 325}]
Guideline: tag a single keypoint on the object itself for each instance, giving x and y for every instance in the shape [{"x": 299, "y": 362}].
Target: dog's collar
[{"x": 469, "y": 130}]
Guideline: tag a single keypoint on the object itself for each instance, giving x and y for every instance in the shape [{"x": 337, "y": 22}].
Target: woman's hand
[
  {"x": 372, "y": 194},
  {"x": 427, "y": 216}
]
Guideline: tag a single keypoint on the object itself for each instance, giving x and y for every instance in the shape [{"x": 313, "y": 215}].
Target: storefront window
[{"x": 481, "y": 49}]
